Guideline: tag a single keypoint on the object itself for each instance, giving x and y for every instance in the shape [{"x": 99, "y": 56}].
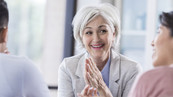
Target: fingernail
[{"x": 91, "y": 88}]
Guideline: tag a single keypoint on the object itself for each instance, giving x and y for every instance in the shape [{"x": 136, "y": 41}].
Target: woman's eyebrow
[
  {"x": 102, "y": 26},
  {"x": 87, "y": 28}
]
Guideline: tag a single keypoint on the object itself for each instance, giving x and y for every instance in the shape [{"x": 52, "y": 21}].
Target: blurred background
[{"x": 42, "y": 31}]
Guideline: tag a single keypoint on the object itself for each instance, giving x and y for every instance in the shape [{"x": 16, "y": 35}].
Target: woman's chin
[
  {"x": 157, "y": 63},
  {"x": 154, "y": 64},
  {"x": 154, "y": 61},
  {"x": 97, "y": 56}
]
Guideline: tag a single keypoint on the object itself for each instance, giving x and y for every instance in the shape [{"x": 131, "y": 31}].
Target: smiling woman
[
  {"x": 96, "y": 28},
  {"x": 162, "y": 48}
]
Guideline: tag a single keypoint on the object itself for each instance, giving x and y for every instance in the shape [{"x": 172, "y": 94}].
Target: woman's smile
[{"x": 97, "y": 46}]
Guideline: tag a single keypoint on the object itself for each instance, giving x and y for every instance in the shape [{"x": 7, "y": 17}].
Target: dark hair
[
  {"x": 4, "y": 17},
  {"x": 166, "y": 19}
]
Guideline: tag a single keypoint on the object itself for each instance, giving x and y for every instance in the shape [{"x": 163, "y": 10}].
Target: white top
[{"x": 20, "y": 78}]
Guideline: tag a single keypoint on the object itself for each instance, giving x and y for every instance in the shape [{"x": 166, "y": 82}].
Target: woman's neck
[
  {"x": 101, "y": 61},
  {"x": 2, "y": 47},
  {"x": 169, "y": 59},
  {"x": 170, "y": 62}
]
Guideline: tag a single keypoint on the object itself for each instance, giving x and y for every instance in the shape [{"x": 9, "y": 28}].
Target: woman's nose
[
  {"x": 152, "y": 43},
  {"x": 96, "y": 37}
]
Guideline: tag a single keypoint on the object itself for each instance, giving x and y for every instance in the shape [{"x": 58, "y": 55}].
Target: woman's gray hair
[{"x": 109, "y": 12}]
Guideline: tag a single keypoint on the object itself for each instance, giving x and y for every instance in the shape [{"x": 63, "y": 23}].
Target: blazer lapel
[
  {"x": 114, "y": 73},
  {"x": 79, "y": 83}
]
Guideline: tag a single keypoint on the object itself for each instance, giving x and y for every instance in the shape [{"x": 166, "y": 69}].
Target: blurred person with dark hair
[
  {"x": 18, "y": 75},
  {"x": 4, "y": 17},
  {"x": 158, "y": 82}
]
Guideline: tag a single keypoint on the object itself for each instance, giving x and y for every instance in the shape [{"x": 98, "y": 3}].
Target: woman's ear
[
  {"x": 114, "y": 34},
  {"x": 116, "y": 30}
]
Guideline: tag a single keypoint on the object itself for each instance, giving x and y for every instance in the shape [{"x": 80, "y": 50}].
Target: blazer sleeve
[
  {"x": 133, "y": 72},
  {"x": 65, "y": 88},
  {"x": 33, "y": 82}
]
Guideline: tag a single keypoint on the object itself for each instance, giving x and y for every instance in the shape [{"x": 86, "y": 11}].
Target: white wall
[{"x": 53, "y": 40}]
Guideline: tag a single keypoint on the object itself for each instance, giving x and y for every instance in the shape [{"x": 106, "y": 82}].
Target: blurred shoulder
[
  {"x": 13, "y": 60},
  {"x": 158, "y": 72}
]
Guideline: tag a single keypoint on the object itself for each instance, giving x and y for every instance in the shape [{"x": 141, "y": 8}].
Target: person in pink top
[{"x": 158, "y": 82}]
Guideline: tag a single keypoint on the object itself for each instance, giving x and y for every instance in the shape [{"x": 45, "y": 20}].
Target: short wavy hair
[
  {"x": 166, "y": 19},
  {"x": 109, "y": 12}
]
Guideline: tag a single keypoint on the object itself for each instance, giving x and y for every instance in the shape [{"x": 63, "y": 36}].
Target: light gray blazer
[{"x": 121, "y": 77}]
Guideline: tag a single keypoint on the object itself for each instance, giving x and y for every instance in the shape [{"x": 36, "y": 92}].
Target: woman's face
[
  {"x": 98, "y": 38},
  {"x": 162, "y": 47}
]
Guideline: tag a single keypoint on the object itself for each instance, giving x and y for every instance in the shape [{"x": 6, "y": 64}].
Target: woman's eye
[
  {"x": 103, "y": 31},
  {"x": 88, "y": 33}
]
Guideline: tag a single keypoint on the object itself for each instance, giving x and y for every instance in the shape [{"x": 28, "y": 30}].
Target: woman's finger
[
  {"x": 85, "y": 74},
  {"x": 97, "y": 71},
  {"x": 92, "y": 81},
  {"x": 95, "y": 92},
  {"x": 90, "y": 65},
  {"x": 93, "y": 64},
  {"x": 86, "y": 67},
  {"x": 88, "y": 77},
  {"x": 91, "y": 91},
  {"x": 96, "y": 74},
  {"x": 91, "y": 70},
  {"x": 85, "y": 90}
]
